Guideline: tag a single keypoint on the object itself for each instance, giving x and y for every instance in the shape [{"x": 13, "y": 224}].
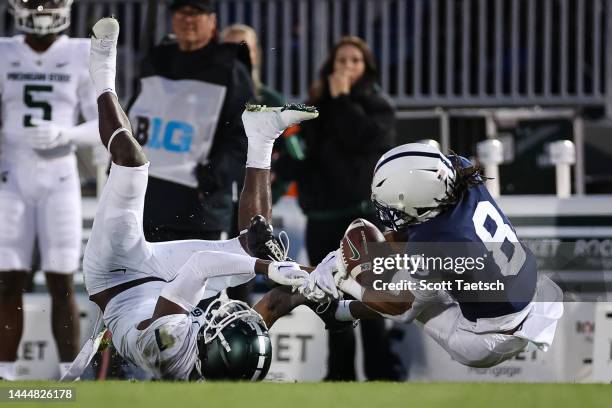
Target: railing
[{"x": 447, "y": 53}]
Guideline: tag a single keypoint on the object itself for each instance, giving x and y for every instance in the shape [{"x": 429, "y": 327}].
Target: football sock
[
  {"x": 343, "y": 311},
  {"x": 259, "y": 153},
  {"x": 262, "y": 128},
  {"x": 103, "y": 56}
]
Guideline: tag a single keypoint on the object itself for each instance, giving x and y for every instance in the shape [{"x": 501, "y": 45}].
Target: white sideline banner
[
  {"x": 37, "y": 357},
  {"x": 299, "y": 347}
]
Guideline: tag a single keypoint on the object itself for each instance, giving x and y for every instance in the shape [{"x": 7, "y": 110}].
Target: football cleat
[
  {"x": 268, "y": 123},
  {"x": 263, "y": 244}
]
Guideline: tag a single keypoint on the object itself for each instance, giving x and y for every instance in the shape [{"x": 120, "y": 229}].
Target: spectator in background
[
  {"x": 264, "y": 95},
  {"x": 187, "y": 116},
  {"x": 240, "y": 33},
  {"x": 355, "y": 126}
]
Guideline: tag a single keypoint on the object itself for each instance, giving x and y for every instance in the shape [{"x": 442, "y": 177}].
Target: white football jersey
[{"x": 53, "y": 85}]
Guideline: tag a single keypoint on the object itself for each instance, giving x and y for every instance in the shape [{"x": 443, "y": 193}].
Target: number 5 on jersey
[{"x": 30, "y": 99}]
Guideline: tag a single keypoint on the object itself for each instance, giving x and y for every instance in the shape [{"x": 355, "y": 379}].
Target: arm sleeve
[
  {"x": 188, "y": 288},
  {"x": 358, "y": 130},
  {"x": 87, "y": 133}
]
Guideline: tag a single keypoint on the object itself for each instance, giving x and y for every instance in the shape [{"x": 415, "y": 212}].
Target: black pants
[
  {"x": 323, "y": 237},
  {"x": 175, "y": 212}
]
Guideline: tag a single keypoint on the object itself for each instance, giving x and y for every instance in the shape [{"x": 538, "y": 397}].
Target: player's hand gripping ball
[{"x": 356, "y": 249}]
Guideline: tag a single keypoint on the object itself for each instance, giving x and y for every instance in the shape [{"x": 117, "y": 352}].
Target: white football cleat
[
  {"x": 103, "y": 54},
  {"x": 264, "y": 125},
  {"x": 268, "y": 123}
]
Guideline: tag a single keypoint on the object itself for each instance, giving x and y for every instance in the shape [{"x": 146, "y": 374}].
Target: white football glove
[
  {"x": 46, "y": 135},
  {"x": 340, "y": 272},
  {"x": 323, "y": 275},
  {"x": 287, "y": 273},
  {"x": 313, "y": 294}
]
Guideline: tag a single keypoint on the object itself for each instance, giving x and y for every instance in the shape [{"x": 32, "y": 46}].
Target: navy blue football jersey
[{"x": 477, "y": 228}]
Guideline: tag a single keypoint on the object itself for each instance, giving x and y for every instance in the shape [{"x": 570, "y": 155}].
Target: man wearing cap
[{"x": 187, "y": 117}]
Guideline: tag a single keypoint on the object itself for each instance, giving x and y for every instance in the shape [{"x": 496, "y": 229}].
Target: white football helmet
[
  {"x": 409, "y": 182},
  {"x": 41, "y": 17}
]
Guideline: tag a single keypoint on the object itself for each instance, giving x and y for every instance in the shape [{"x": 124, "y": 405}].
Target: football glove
[
  {"x": 322, "y": 279},
  {"x": 287, "y": 273},
  {"x": 46, "y": 135}
]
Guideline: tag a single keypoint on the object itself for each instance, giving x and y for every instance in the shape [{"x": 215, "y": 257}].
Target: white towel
[
  {"x": 87, "y": 353},
  {"x": 540, "y": 325}
]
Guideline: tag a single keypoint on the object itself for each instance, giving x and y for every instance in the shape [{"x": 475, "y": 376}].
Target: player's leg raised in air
[
  {"x": 117, "y": 246},
  {"x": 262, "y": 126},
  {"x": 115, "y": 128}
]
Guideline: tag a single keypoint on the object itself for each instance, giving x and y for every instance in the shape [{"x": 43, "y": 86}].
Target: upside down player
[
  {"x": 424, "y": 197},
  {"x": 148, "y": 292}
]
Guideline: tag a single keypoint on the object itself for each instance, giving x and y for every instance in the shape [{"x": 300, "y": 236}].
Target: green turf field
[{"x": 323, "y": 395}]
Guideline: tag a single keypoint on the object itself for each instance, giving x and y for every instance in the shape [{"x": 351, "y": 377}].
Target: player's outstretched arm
[
  {"x": 183, "y": 293},
  {"x": 277, "y": 303},
  {"x": 386, "y": 302},
  {"x": 114, "y": 125}
]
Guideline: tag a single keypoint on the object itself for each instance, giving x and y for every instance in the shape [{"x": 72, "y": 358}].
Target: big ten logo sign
[
  {"x": 33, "y": 350},
  {"x": 291, "y": 348},
  {"x": 173, "y": 136}
]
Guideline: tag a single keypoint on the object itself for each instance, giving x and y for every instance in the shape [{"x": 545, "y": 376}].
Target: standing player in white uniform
[
  {"x": 44, "y": 87},
  {"x": 149, "y": 292}
]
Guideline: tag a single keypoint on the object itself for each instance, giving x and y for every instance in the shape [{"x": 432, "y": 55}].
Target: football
[{"x": 357, "y": 256}]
